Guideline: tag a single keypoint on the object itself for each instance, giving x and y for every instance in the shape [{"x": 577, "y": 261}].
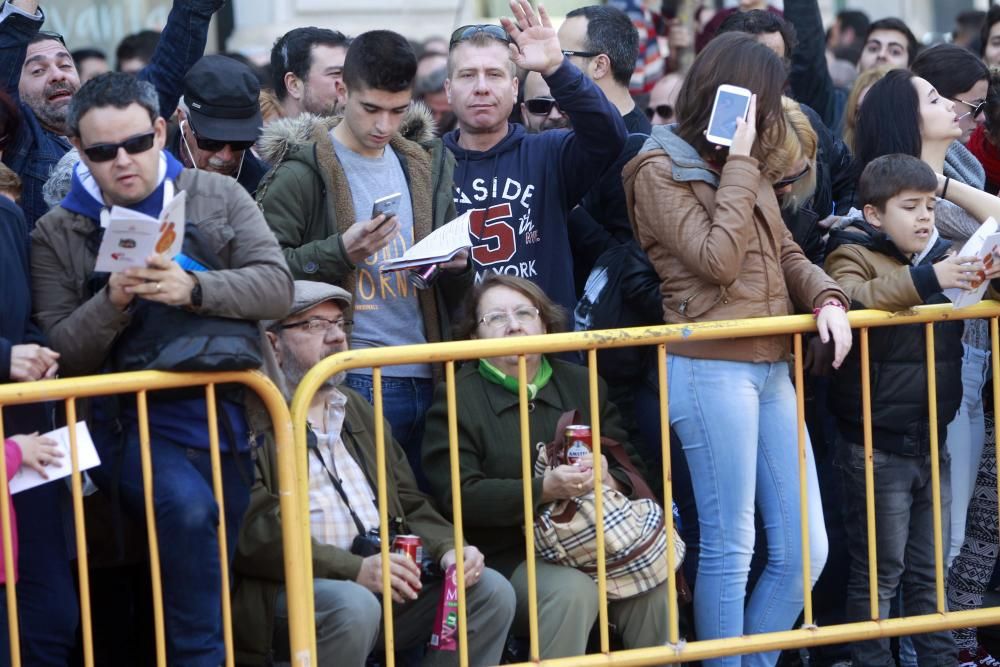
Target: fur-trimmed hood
[{"x": 282, "y": 135}]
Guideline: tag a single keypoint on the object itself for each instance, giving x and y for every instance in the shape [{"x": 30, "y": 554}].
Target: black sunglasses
[
  {"x": 468, "y": 31},
  {"x": 792, "y": 180},
  {"x": 661, "y": 110},
  {"x": 215, "y": 145},
  {"x": 52, "y": 35},
  {"x": 104, "y": 152},
  {"x": 977, "y": 108},
  {"x": 580, "y": 54},
  {"x": 540, "y": 106}
]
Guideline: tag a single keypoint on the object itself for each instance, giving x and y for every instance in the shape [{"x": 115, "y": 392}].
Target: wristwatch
[{"x": 196, "y": 293}]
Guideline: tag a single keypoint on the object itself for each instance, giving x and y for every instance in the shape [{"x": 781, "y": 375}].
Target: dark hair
[
  {"x": 10, "y": 119},
  {"x": 951, "y": 69},
  {"x": 382, "y": 60},
  {"x": 80, "y": 55},
  {"x": 892, "y": 23},
  {"x": 141, "y": 45},
  {"x": 738, "y": 59},
  {"x": 855, "y": 19},
  {"x": 992, "y": 114},
  {"x": 610, "y": 31},
  {"x": 760, "y": 22},
  {"x": 292, "y": 52},
  {"x": 889, "y": 120},
  {"x": 553, "y": 316},
  {"x": 888, "y": 175},
  {"x": 992, "y": 16},
  {"x": 111, "y": 89}
]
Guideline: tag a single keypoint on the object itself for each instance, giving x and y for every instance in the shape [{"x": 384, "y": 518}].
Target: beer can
[
  {"x": 579, "y": 442},
  {"x": 410, "y": 546}
]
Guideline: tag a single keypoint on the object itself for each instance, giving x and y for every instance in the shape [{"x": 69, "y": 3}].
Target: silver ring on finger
[{"x": 158, "y": 287}]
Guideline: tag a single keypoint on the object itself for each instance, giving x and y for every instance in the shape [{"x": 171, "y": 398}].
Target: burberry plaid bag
[{"x": 634, "y": 537}]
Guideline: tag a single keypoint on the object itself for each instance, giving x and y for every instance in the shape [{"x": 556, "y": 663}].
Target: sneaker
[
  {"x": 967, "y": 658},
  {"x": 985, "y": 659}
]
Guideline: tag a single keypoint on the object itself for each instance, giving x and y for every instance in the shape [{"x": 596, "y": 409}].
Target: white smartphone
[
  {"x": 388, "y": 205},
  {"x": 731, "y": 103}
]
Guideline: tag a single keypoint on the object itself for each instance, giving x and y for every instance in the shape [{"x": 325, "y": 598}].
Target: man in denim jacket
[{"x": 37, "y": 70}]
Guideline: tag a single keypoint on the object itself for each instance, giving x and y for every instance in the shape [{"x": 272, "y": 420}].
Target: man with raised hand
[
  {"x": 520, "y": 186},
  {"x": 38, "y": 70}
]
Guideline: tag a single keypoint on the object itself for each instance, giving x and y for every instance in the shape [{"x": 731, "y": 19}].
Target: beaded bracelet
[{"x": 830, "y": 302}]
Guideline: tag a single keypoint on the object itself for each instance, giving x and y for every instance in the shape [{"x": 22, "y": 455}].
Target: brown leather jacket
[{"x": 722, "y": 251}]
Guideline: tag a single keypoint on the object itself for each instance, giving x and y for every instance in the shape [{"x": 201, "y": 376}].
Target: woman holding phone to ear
[{"x": 711, "y": 224}]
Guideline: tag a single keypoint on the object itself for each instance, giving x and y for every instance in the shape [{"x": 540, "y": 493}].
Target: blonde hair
[
  {"x": 801, "y": 143},
  {"x": 270, "y": 107},
  {"x": 10, "y": 183},
  {"x": 865, "y": 80}
]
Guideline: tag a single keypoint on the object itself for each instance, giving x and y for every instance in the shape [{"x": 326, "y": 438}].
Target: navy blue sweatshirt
[{"x": 522, "y": 189}]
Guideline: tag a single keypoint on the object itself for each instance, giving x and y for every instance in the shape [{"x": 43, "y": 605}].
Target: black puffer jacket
[{"x": 899, "y": 402}]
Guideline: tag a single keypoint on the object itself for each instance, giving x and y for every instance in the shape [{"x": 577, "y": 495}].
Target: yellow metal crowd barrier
[
  {"x": 665, "y": 338},
  {"x": 140, "y": 384}
]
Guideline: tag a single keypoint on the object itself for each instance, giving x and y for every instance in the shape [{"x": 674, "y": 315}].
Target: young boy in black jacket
[{"x": 893, "y": 260}]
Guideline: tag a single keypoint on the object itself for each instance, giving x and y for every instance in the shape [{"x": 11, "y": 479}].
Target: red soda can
[
  {"x": 579, "y": 442},
  {"x": 410, "y": 546}
]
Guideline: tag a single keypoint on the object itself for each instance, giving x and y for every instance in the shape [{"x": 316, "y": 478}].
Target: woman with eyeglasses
[
  {"x": 709, "y": 219},
  {"x": 489, "y": 443}
]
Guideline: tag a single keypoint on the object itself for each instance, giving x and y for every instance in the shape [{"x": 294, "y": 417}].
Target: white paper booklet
[
  {"x": 982, "y": 244},
  {"x": 130, "y": 237},
  {"x": 26, "y": 478},
  {"x": 439, "y": 246}
]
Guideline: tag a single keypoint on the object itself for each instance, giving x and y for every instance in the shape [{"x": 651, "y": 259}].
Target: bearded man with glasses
[{"x": 115, "y": 123}]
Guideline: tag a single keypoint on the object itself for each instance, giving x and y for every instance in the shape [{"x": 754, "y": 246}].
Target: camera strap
[{"x": 314, "y": 446}]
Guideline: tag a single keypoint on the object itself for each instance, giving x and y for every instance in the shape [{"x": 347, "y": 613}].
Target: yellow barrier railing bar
[
  {"x": 595, "y": 439},
  {"x": 456, "y": 502},
  {"x": 154, "y": 547},
  {"x": 529, "y": 507},
  {"x": 13, "y": 630},
  {"x": 213, "y": 448},
  {"x": 662, "y": 335},
  {"x": 866, "y": 421},
  {"x": 800, "y": 412},
  {"x": 76, "y": 485},
  {"x": 673, "y": 621},
  {"x": 935, "y": 468},
  {"x": 138, "y": 383},
  {"x": 301, "y": 489},
  {"x": 383, "y": 509}
]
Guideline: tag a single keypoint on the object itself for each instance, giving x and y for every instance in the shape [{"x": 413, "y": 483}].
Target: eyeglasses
[
  {"x": 977, "y": 108},
  {"x": 469, "y": 31},
  {"x": 661, "y": 110},
  {"x": 540, "y": 106},
  {"x": 48, "y": 34},
  {"x": 792, "y": 180},
  {"x": 216, "y": 145},
  {"x": 497, "y": 319},
  {"x": 105, "y": 152},
  {"x": 315, "y": 325},
  {"x": 580, "y": 54}
]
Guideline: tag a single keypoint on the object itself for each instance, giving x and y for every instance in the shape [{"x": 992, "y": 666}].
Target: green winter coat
[
  {"x": 258, "y": 569},
  {"x": 307, "y": 202}
]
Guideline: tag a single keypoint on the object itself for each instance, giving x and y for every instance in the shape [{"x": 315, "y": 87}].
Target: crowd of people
[{"x": 596, "y": 198}]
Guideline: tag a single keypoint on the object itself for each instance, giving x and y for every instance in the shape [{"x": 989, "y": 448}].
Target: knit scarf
[
  {"x": 987, "y": 154},
  {"x": 497, "y": 376}
]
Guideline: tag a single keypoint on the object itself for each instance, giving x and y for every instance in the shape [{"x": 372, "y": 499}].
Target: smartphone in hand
[
  {"x": 731, "y": 103},
  {"x": 388, "y": 205}
]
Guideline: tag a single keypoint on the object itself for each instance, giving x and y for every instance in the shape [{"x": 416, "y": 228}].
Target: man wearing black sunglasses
[
  {"x": 520, "y": 187},
  {"x": 219, "y": 120},
  {"x": 232, "y": 268},
  {"x": 37, "y": 69}
]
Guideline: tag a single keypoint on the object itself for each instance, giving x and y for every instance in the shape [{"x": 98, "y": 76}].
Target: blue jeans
[
  {"x": 966, "y": 435},
  {"x": 405, "y": 402},
  {"x": 187, "y": 518},
  {"x": 904, "y": 547},
  {"x": 737, "y": 424}
]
